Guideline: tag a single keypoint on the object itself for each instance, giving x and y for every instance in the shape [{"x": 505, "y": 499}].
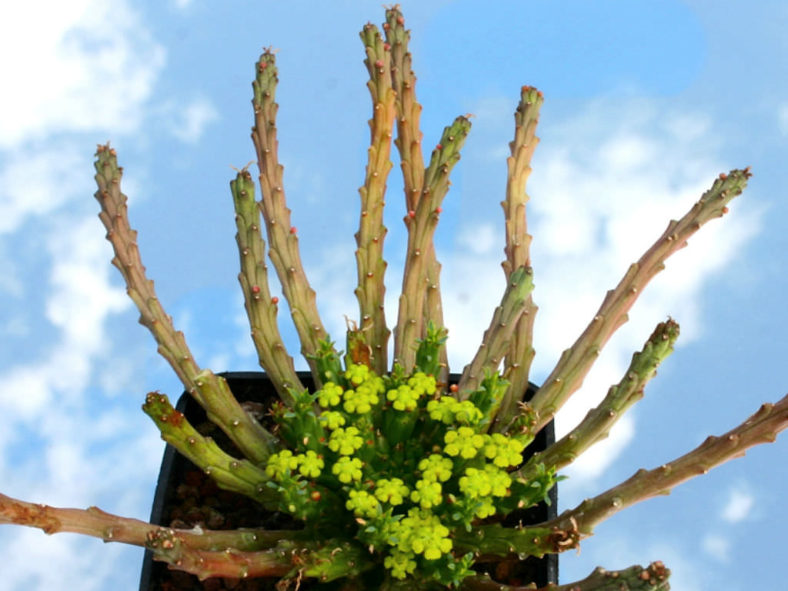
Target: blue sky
[{"x": 645, "y": 104}]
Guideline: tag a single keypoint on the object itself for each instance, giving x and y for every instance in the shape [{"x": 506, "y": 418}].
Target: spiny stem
[
  {"x": 598, "y": 422},
  {"x": 575, "y": 362},
  {"x": 498, "y": 336},
  {"x": 421, "y": 227},
  {"x": 261, "y": 308},
  {"x": 230, "y": 473},
  {"x": 282, "y": 238},
  {"x": 369, "y": 238},
  {"x": 212, "y": 394},
  {"x": 635, "y": 578},
  {"x": 761, "y": 427},
  {"x": 520, "y": 354},
  {"x": 408, "y": 144}
]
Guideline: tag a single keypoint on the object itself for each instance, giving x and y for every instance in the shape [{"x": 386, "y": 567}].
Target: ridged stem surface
[
  {"x": 229, "y": 473},
  {"x": 597, "y": 423},
  {"x": 210, "y": 391},
  {"x": 282, "y": 236},
  {"x": 411, "y": 321},
  {"x": 517, "y": 365},
  {"x": 261, "y": 308},
  {"x": 371, "y": 233},
  {"x": 761, "y": 427},
  {"x": 498, "y": 337},
  {"x": 237, "y": 554},
  {"x": 408, "y": 142},
  {"x": 572, "y": 367},
  {"x": 635, "y": 578}
]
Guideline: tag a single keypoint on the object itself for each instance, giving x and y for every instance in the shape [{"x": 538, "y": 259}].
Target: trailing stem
[
  {"x": 568, "y": 375},
  {"x": 238, "y": 553},
  {"x": 761, "y": 427},
  {"x": 520, "y": 353},
  {"x": 371, "y": 233},
  {"x": 261, "y": 308},
  {"x": 635, "y": 578},
  {"x": 210, "y": 391},
  {"x": 282, "y": 236}
]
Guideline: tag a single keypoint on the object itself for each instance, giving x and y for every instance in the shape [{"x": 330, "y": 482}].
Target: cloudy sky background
[{"x": 645, "y": 104}]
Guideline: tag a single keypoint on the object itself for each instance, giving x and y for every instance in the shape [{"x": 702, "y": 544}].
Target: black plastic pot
[{"x": 185, "y": 496}]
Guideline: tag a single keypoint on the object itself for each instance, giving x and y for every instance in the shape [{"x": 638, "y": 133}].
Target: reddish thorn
[
  {"x": 723, "y": 176},
  {"x": 438, "y": 209},
  {"x": 293, "y": 230},
  {"x": 274, "y": 300},
  {"x": 439, "y": 147},
  {"x": 386, "y": 47},
  {"x": 411, "y": 214},
  {"x": 400, "y": 20},
  {"x": 453, "y": 388},
  {"x": 724, "y": 210},
  {"x": 255, "y": 289},
  {"x": 379, "y": 64}
]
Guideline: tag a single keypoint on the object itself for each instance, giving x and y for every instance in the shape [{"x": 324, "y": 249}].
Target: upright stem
[
  {"x": 411, "y": 324},
  {"x": 282, "y": 236},
  {"x": 408, "y": 144},
  {"x": 520, "y": 354},
  {"x": 210, "y": 391},
  {"x": 261, "y": 308},
  {"x": 369, "y": 238}
]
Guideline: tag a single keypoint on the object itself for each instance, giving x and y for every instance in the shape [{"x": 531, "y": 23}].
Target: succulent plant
[{"x": 400, "y": 476}]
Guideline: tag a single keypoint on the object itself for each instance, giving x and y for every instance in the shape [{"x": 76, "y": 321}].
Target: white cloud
[
  {"x": 189, "y": 121},
  {"x": 716, "y": 546},
  {"x": 89, "y": 65},
  {"x": 738, "y": 506}
]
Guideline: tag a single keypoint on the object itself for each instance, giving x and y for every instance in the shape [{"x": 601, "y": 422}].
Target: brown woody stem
[
  {"x": 761, "y": 427},
  {"x": 635, "y": 578}
]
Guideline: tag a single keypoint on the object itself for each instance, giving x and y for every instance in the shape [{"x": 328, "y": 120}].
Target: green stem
[
  {"x": 498, "y": 336},
  {"x": 517, "y": 365},
  {"x": 371, "y": 233},
  {"x": 261, "y": 308},
  {"x": 282, "y": 236},
  {"x": 598, "y": 422},
  {"x": 209, "y": 390},
  {"x": 572, "y": 367},
  {"x": 408, "y": 144},
  {"x": 230, "y": 473},
  {"x": 421, "y": 228}
]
